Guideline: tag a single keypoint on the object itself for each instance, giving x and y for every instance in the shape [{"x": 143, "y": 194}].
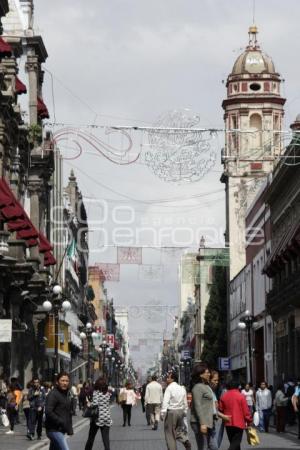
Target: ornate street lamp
[
  {"x": 247, "y": 322},
  {"x": 88, "y": 333},
  {"x": 118, "y": 370},
  {"x": 102, "y": 351},
  {"x": 57, "y": 304}
]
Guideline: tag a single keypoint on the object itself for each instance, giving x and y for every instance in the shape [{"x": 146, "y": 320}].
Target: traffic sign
[{"x": 224, "y": 363}]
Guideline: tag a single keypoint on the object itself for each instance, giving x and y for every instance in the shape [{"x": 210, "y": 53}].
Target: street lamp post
[
  {"x": 88, "y": 333},
  {"x": 247, "y": 322},
  {"x": 102, "y": 350},
  {"x": 58, "y": 303},
  {"x": 181, "y": 364},
  {"x": 118, "y": 369}
]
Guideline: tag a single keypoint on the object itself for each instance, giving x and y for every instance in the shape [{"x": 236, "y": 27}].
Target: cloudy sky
[{"x": 128, "y": 62}]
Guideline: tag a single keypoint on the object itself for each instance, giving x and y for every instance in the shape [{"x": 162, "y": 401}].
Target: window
[
  {"x": 255, "y": 87},
  {"x": 256, "y": 136}
]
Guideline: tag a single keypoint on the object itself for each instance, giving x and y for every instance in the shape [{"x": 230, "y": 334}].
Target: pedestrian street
[{"x": 137, "y": 437}]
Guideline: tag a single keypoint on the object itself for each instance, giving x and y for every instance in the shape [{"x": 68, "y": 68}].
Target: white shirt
[
  {"x": 263, "y": 399},
  {"x": 154, "y": 394},
  {"x": 174, "y": 398},
  {"x": 249, "y": 396},
  {"x": 130, "y": 396}
]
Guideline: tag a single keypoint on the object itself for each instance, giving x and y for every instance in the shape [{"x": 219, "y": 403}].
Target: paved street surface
[{"x": 137, "y": 437}]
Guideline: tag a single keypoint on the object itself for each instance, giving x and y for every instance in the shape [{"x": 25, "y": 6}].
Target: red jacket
[{"x": 233, "y": 403}]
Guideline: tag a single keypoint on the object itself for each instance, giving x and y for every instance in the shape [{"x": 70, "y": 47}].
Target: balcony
[{"x": 285, "y": 295}]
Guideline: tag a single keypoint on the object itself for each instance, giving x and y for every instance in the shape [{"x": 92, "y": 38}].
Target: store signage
[{"x": 5, "y": 330}]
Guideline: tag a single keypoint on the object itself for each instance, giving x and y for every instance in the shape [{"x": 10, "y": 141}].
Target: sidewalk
[{"x": 19, "y": 441}]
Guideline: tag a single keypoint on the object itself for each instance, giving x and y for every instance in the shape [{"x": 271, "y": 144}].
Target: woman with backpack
[{"x": 101, "y": 399}]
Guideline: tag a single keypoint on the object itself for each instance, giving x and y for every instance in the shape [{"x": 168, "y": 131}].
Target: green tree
[{"x": 215, "y": 327}]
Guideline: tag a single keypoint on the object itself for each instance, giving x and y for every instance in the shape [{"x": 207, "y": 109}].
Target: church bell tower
[{"x": 253, "y": 114}]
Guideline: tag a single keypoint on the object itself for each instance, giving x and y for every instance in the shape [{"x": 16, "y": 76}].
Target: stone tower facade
[{"x": 253, "y": 139}]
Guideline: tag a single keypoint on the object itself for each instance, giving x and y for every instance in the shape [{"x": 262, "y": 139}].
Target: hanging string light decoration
[
  {"x": 76, "y": 137},
  {"x": 178, "y": 153}
]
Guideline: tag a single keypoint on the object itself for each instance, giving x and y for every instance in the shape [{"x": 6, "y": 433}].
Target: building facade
[
  {"x": 253, "y": 113},
  {"x": 282, "y": 265}
]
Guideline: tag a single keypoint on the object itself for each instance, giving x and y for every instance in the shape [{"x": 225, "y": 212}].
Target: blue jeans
[
  {"x": 57, "y": 440},
  {"x": 264, "y": 419}
]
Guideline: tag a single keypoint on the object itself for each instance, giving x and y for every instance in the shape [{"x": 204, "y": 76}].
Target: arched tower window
[{"x": 256, "y": 136}]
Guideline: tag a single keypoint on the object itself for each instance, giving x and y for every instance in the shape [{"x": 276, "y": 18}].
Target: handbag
[
  {"x": 252, "y": 436},
  {"x": 122, "y": 398},
  {"x": 91, "y": 412},
  {"x": 256, "y": 418}
]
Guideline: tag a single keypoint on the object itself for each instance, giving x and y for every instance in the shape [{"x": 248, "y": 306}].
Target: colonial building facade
[
  {"x": 283, "y": 264},
  {"x": 253, "y": 112}
]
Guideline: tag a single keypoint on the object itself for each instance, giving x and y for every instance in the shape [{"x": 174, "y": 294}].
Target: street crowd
[{"x": 213, "y": 407}]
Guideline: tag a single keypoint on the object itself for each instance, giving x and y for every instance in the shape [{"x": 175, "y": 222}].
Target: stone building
[
  {"x": 253, "y": 113},
  {"x": 283, "y": 264},
  {"x": 248, "y": 291},
  {"x": 26, "y": 169}
]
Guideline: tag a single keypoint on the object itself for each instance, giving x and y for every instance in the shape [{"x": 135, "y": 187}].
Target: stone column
[
  {"x": 34, "y": 189},
  {"x": 32, "y": 67},
  {"x": 2, "y": 149}
]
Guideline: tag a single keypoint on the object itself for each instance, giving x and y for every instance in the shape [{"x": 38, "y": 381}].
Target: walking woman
[
  {"x": 203, "y": 408},
  {"x": 101, "y": 398},
  {"x": 280, "y": 403},
  {"x": 234, "y": 405},
  {"x": 127, "y": 393},
  {"x": 59, "y": 413},
  {"x": 14, "y": 398},
  {"x": 26, "y": 406}
]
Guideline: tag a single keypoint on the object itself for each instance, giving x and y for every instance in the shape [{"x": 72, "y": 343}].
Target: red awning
[
  {"x": 42, "y": 109},
  {"x": 49, "y": 259},
  {"x": 20, "y": 87},
  {"x": 28, "y": 233},
  {"x": 13, "y": 213},
  {"x": 5, "y": 48},
  {"x": 18, "y": 224},
  {"x": 44, "y": 245}
]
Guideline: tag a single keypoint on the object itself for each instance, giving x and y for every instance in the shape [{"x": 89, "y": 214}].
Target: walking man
[
  {"x": 174, "y": 411},
  {"x": 153, "y": 401},
  {"x": 143, "y": 394},
  {"x": 264, "y": 406},
  {"x": 37, "y": 398}
]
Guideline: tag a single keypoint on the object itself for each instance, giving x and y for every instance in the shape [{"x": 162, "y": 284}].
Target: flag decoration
[
  {"x": 110, "y": 271},
  {"x": 130, "y": 255}
]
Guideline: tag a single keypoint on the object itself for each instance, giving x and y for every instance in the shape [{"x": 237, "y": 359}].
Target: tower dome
[{"x": 253, "y": 60}]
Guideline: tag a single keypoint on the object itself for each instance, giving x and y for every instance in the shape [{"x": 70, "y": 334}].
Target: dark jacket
[
  {"x": 59, "y": 411},
  {"x": 37, "y": 398}
]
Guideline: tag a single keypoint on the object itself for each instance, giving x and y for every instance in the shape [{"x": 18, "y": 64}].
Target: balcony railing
[{"x": 284, "y": 294}]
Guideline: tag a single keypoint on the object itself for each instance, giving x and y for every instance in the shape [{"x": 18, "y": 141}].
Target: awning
[
  {"x": 42, "y": 109},
  {"x": 49, "y": 259},
  {"x": 44, "y": 245},
  {"x": 5, "y": 48},
  {"x": 17, "y": 220},
  {"x": 20, "y": 87}
]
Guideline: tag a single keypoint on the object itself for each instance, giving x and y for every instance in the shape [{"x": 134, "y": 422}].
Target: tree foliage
[{"x": 215, "y": 327}]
